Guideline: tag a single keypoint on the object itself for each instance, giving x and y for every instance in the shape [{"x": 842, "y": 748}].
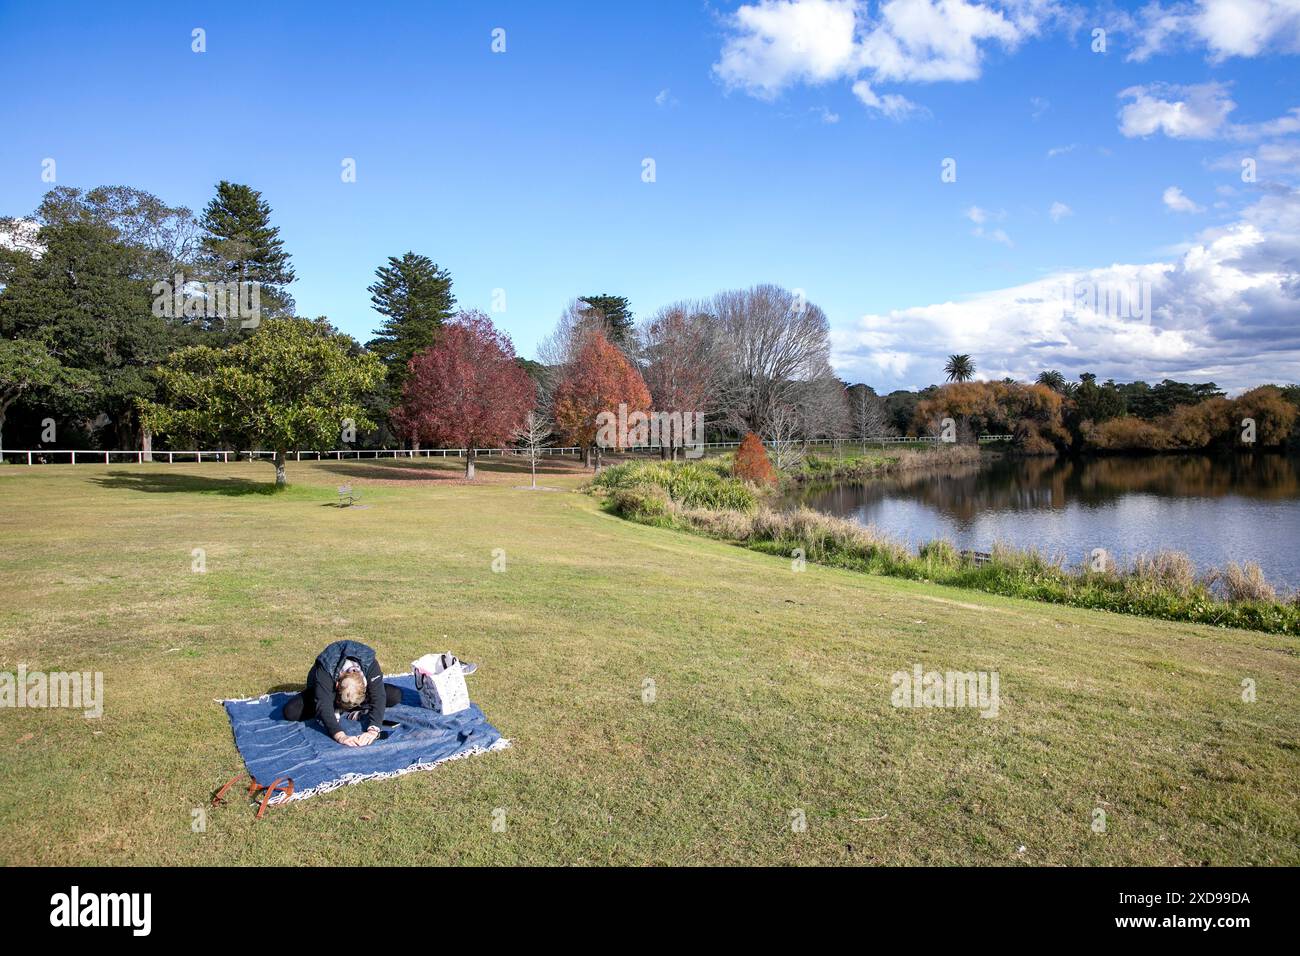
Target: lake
[{"x": 1216, "y": 509}]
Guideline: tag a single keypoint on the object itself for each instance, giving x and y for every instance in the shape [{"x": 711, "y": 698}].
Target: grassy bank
[
  {"x": 873, "y": 464},
  {"x": 772, "y": 689},
  {"x": 1164, "y": 585}
]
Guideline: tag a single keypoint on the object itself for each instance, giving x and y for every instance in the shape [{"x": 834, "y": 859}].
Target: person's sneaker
[{"x": 467, "y": 668}]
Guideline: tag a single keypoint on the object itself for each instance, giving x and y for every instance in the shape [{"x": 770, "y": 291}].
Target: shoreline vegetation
[{"x": 705, "y": 498}]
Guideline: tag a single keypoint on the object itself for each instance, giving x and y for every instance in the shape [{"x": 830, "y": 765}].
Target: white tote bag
[{"x": 441, "y": 688}]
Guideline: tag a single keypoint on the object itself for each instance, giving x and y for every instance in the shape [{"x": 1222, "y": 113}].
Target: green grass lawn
[{"x": 772, "y": 688}]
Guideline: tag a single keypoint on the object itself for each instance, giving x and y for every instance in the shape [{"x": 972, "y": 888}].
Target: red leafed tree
[
  {"x": 466, "y": 390},
  {"x": 752, "y": 463},
  {"x": 599, "y": 379}
]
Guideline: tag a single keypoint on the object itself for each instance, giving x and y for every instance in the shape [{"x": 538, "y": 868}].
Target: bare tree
[
  {"x": 870, "y": 419},
  {"x": 684, "y": 363},
  {"x": 530, "y": 437},
  {"x": 784, "y": 434},
  {"x": 777, "y": 343}
]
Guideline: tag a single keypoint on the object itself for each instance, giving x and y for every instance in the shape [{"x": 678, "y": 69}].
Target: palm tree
[
  {"x": 1052, "y": 379},
  {"x": 959, "y": 368}
]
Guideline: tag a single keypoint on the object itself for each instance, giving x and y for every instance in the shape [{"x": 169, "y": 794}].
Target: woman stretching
[{"x": 345, "y": 681}]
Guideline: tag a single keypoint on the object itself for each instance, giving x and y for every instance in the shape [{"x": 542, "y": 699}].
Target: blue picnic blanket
[{"x": 274, "y": 747}]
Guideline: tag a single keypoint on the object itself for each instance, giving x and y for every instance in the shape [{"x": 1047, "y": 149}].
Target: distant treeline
[{"x": 1052, "y": 414}]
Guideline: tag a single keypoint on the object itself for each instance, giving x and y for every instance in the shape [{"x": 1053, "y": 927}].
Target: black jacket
[{"x": 324, "y": 674}]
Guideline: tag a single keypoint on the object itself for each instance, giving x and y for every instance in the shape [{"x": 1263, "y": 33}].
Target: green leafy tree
[
  {"x": 27, "y": 368},
  {"x": 85, "y": 299},
  {"x": 414, "y": 295},
  {"x": 240, "y": 245},
  {"x": 292, "y": 384},
  {"x": 959, "y": 368}
]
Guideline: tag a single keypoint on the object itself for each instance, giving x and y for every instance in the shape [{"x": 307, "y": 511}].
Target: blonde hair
[{"x": 351, "y": 689}]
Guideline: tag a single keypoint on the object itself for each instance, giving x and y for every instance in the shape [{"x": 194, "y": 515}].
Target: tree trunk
[
  {"x": 534, "y": 472},
  {"x": 146, "y": 443},
  {"x": 586, "y": 456},
  {"x": 280, "y": 478},
  {"x": 469, "y": 464}
]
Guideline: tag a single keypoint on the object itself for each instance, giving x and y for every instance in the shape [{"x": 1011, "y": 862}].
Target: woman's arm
[{"x": 324, "y": 692}]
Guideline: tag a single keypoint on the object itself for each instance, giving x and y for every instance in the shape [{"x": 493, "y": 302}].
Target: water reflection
[{"x": 1217, "y": 509}]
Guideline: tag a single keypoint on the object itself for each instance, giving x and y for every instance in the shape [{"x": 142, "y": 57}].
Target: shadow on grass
[
  {"x": 452, "y": 470},
  {"x": 162, "y": 482}
]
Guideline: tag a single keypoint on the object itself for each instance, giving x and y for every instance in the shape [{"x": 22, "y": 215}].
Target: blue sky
[{"x": 522, "y": 170}]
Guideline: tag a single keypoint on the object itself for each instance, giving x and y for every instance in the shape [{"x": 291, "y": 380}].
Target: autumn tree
[
  {"x": 1032, "y": 414},
  {"x": 292, "y": 384},
  {"x": 467, "y": 390},
  {"x": 752, "y": 463},
  {"x": 599, "y": 379}
]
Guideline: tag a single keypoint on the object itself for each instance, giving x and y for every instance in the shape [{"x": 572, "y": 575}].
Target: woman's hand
[
  {"x": 368, "y": 738},
  {"x": 347, "y": 741}
]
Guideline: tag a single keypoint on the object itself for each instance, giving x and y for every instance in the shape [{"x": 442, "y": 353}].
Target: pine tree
[
  {"x": 617, "y": 314},
  {"x": 241, "y": 245},
  {"x": 415, "y": 295}
]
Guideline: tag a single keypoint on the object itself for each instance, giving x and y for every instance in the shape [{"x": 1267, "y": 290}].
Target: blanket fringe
[{"x": 349, "y": 779}]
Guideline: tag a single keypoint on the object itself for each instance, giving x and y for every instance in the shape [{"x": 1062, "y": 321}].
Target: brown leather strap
[
  {"x": 219, "y": 796},
  {"x": 280, "y": 783}
]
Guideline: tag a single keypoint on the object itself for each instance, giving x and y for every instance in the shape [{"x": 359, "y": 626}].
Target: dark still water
[{"x": 1216, "y": 509}]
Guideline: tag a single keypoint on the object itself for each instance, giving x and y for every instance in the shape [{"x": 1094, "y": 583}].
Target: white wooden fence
[{"x": 81, "y": 455}]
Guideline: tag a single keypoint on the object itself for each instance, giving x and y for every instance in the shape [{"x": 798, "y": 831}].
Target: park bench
[
  {"x": 977, "y": 558},
  {"x": 348, "y": 497}
]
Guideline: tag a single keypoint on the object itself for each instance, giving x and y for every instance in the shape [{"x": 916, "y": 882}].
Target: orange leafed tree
[
  {"x": 752, "y": 463},
  {"x": 599, "y": 379}
]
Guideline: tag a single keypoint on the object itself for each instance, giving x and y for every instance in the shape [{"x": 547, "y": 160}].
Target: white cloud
[
  {"x": 1061, "y": 150},
  {"x": 774, "y": 44},
  {"x": 1226, "y": 28},
  {"x": 1176, "y": 201},
  {"x": 892, "y": 105},
  {"x": 1059, "y": 211},
  {"x": 665, "y": 98},
  {"x": 827, "y": 116},
  {"x": 1223, "y": 309},
  {"x": 1038, "y": 106},
  {"x": 1181, "y": 112},
  {"x": 981, "y": 217},
  {"x": 1198, "y": 111}
]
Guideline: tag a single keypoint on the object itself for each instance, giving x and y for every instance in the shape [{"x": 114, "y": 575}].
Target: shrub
[
  {"x": 939, "y": 553},
  {"x": 1166, "y": 570},
  {"x": 688, "y": 484},
  {"x": 752, "y": 463},
  {"x": 1246, "y": 583}
]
